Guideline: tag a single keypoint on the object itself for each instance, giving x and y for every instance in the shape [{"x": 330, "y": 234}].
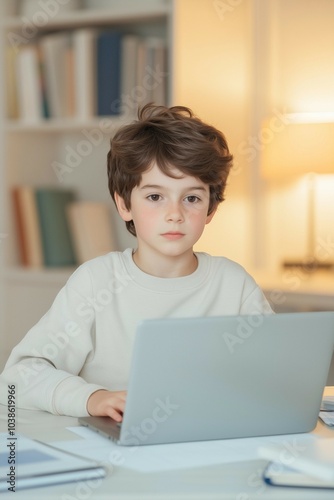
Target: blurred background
[{"x": 262, "y": 71}]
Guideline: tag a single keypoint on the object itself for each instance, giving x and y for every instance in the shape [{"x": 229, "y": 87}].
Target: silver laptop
[{"x": 194, "y": 379}]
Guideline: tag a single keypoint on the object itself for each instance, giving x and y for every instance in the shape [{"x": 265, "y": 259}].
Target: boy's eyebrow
[{"x": 156, "y": 186}]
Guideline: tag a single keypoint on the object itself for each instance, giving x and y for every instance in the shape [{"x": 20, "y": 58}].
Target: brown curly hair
[{"x": 173, "y": 138}]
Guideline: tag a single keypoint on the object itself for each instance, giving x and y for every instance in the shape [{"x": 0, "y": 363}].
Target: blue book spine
[
  {"x": 57, "y": 243},
  {"x": 109, "y": 73}
]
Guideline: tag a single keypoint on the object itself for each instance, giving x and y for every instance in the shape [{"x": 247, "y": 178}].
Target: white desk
[
  {"x": 296, "y": 290},
  {"x": 237, "y": 481}
]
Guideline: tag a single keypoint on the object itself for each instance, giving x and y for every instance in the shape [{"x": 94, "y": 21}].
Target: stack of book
[
  {"x": 84, "y": 73},
  {"x": 308, "y": 463},
  {"x": 35, "y": 464},
  {"x": 56, "y": 230}
]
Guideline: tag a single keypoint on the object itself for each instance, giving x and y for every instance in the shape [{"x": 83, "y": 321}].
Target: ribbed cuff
[{"x": 71, "y": 395}]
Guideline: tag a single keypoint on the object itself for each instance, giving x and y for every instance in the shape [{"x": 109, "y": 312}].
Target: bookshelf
[{"x": 30, "y": 148}]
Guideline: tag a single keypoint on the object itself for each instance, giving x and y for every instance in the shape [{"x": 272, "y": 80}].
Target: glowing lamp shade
[{"x": 298, "y": 148}]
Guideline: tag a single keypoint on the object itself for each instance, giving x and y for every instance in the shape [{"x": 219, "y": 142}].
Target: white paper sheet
[{"x": 166, "y": 457}]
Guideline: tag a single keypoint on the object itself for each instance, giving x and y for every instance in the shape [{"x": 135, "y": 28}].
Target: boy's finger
[
  {"x": 112, "y": 413},
  {"x": 121, "y": 395}
]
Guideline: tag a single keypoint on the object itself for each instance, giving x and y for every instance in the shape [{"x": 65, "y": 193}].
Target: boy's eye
[
  {"x": 192, "y": 199},
  {"x": 154, "y": 197}
]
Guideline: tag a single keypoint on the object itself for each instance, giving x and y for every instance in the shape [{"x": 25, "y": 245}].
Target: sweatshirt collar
[{"x": 157, "y": 284}]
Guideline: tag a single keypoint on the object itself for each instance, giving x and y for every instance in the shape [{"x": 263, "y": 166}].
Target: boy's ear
[
  {"x": 210, "y": 217},
  {"x": 121, "y": 207}
]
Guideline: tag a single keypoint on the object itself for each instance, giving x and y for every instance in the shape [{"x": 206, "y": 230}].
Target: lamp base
[{"x": 309, "y": 265}]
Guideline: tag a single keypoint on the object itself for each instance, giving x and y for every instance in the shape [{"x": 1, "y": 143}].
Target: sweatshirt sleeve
[
  {"x": 255, "y": 302},
  {"x": 45, "y": 366}
]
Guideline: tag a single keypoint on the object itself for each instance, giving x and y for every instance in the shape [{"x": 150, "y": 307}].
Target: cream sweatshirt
[{"x": 84, "y": 342}]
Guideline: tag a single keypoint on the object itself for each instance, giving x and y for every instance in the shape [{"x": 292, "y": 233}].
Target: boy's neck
[{"x": 166, "y": 266}]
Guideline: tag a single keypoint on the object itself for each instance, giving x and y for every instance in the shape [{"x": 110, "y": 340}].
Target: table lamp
[{"x": 304, "y": 144}]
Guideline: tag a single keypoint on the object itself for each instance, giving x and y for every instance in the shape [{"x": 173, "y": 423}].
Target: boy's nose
[{"x": 174, "y": 213}]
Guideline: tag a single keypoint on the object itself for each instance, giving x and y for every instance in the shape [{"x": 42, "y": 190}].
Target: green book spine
[{"x": 56, "y": 236}]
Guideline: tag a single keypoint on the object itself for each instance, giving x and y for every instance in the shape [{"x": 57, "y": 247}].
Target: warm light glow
[
  {"x": 298, "y": 148},
  {"x": 320, "y": 117}
]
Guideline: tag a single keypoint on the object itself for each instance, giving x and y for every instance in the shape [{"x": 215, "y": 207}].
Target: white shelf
[
  {"x": 67, "y": 124},
  {"x": 98, "y": 17},
  {"x": 44, "y": 275}
]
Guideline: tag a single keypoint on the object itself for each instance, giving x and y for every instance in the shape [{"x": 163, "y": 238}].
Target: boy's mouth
[{"x": 173, "y": 235}]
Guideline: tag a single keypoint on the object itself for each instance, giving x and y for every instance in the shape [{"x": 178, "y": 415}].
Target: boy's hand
[{"x": 104, "y": 403}]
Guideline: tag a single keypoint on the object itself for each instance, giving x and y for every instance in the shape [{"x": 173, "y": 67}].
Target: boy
[{"x": 167, "y": 175}]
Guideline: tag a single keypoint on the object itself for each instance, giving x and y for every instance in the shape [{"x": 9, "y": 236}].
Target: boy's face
[{"x": 169, "y": 214}]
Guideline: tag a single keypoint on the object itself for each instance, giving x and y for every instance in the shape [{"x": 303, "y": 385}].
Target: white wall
[
  {"x": 301, "y": 80},
  {"x": 237, "y": 63},
  {"x": 212, "y": 76}
]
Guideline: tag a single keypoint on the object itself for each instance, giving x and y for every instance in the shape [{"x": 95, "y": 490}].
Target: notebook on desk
[{"x": 205, "y": 378}]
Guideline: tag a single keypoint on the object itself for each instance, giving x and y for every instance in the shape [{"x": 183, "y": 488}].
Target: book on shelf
[
  {"x": 151, "y": 75},
  {"x": 91, "y": 228},
  {"x": 308, "y": 463},
  {"x": 84, "y": 48},
  {"x": 108, "y": 73},
  {"x": 129, "y": 65},
  {"x": 11, "y": 81},
  {"x": 29, "y": 91},
  {"x": 56, "y": 237},
  {"x": 34, "y": 464},
  {"x": 70, "y": 90},
  {"x": 55, "y": 230},
  {"x": 53, "y": 49},
  {"x": 160, "y": 71},
  {"x": 27, "y": 224},
  {"x": 84, "y": 73}
]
